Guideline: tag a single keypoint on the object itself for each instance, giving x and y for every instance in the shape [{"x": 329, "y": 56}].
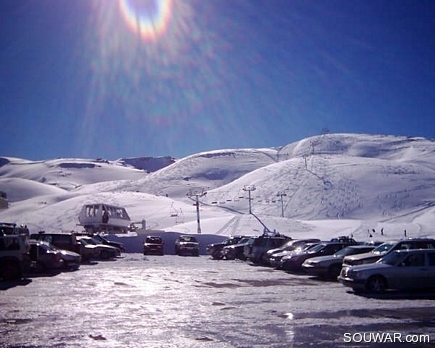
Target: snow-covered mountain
[{"x": 331, "y": 184}]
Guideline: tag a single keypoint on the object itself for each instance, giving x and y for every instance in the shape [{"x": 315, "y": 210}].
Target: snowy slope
[{"x": 330, "y": 184}]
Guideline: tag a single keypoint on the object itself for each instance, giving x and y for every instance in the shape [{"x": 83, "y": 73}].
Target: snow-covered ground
[
  {"x": 331, "y": 185},
  {"x": 324, "y": 186}
]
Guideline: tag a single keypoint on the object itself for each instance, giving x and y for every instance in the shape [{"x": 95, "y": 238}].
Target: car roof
[
  {"x": 360, "y": 246},
  {"x": 413, "y": 251}
]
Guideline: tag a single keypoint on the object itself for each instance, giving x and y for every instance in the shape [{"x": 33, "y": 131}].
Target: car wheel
[
  {"x": 334, "y": 271},
  {"x": 376, "y": 284}
]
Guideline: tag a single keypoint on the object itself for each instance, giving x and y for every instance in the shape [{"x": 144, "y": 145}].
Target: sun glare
[
  {"x": 147, "y": 18},
  {"x": 152, "y": 64}
]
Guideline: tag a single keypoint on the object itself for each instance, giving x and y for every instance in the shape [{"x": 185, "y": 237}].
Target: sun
[{"x": 148, "y": 19}]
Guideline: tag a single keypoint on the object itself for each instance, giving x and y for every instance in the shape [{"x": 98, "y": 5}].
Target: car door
[{"x": 414, "y": 271}]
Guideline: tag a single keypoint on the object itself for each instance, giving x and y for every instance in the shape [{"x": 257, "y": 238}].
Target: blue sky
[{"x": 129, "y": 78}]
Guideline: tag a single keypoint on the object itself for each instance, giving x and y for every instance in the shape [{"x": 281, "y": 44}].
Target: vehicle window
[
  {"x": 391, "y": 258},
  {"x": 403, "y": 246},
  {"x": 383, "y": 248},
  {"x": 9, "y": 244},
  {"x": 260, "y": 242},
  {"x": 61, "y": 238},
  {"x": 317, "y": 248},
  {"x": 431, "y": 257},
  {"x": 344, "y": 252},
  {"x": 414, "y": 260},
  {"x": 47, "y": 238},
  {"x": 50, "y": 247},
  {"x": 335, "y": 248},
  {"x": 424, "y": 245}
]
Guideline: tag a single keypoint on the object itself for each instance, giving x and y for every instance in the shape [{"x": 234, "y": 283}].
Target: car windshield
[
  {"x": 383, "y": 248},
  {"x": 243, "y": 240},
  {"x": 84, "y": 242},
  {"x": 188, "y": 239},
  {"x": 232, "y": 241},
  {"x": 88, "y": 241},
  {"x": 50, "y": 247},
  {"x": 344, "y": 252},
  {"x": 316, "y": 248},
  {"x": 391, "y": 258},
  {"x": 155, "y": 240}
]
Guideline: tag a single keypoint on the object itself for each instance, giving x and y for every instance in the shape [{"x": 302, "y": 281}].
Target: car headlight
[{"x": 355, "y": 275}]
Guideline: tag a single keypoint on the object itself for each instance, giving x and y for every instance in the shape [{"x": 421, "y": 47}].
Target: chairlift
[{"x": 173, "y": 211}]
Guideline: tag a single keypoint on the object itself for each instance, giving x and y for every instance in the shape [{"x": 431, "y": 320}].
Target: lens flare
[
  {"x": 149, "y": 19},
  {"x": 152, "y": 67}
]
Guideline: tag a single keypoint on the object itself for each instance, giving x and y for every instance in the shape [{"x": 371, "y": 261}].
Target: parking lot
[{"x": 175, "y": 301}]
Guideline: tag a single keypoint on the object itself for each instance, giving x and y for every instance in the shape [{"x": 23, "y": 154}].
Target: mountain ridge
[{"x": 376, "y": 178}]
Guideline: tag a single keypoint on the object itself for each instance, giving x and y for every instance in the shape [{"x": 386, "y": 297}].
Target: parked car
[
  {"x": 387, "y": 247},
  {"x": 399, "y": 270},
  {"x": 330, "y": 266},
  {"x": 276, "y": 259},
  {"x": 103, "y": 251},
  {"x": 235, "y": 251},
  {"x": 40, "y": 250},
  {"x": 13, "y": 249},
  {"x": 43, "y": 256},
  {"x": 294, "y": 261},
  {"x": 87, "y": 251},
  {"x": 257, "y": 248},
  {"x": 273, "y": 255},
  {"x": 153, "y": 245},
  {"x": 187, "y": 245},
  {"x": 215, "y": 249},
  {"x": 104, "y": 240}
]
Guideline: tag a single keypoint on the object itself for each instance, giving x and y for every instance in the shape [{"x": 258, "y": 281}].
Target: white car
[
  {"x": 399, "y": 270},
  {"x": 101, "y": 251}
]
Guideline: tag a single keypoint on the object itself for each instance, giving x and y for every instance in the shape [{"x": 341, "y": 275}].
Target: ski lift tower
[
  {"x": 198, "y": 192},
  {"x": 249, "y": 188},
  {"x": 281, "y": 195}
]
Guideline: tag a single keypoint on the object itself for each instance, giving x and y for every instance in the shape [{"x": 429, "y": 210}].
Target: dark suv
[
  {"x": 65, "y": 241},
  {"x": 153, "y": 245},
  {"x": 187, "y": 245},
  {"x": 256, "y": 250},
  {"x": 387, "y": 247},
  {"x": 236, "y": 251},
  {"x": 13, "y": 249},
  {"x": 215, "y": 249}
]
